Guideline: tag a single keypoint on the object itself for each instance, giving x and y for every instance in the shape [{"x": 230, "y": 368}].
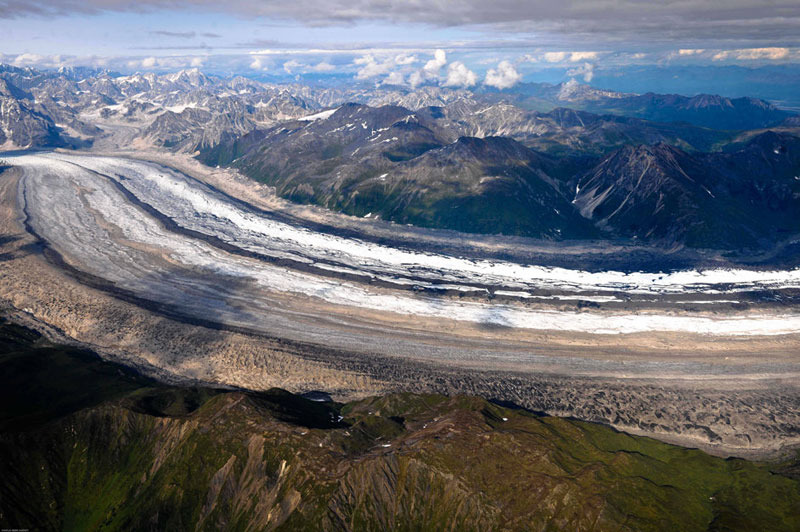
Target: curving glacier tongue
[{"x": 84, "y": 207}]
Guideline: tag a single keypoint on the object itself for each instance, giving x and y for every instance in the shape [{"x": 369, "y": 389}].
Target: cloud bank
[{"x": 748, "y": 22}]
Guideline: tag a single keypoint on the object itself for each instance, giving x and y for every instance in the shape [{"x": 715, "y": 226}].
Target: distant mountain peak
[{"x": 573, "y": 90}]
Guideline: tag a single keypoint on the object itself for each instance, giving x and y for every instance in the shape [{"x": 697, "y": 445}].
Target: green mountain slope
[{"x": 164, "y": 458}]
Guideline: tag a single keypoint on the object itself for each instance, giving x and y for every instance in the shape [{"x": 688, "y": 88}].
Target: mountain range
[
  {"x": 82, "y": 103},
  {"x": 405, "y": 166},
  {"x": 555, "y": 162}
]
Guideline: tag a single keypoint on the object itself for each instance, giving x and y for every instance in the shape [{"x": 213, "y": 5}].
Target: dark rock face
[
  {"x": 746, "y": 198},
  {"x": 642, "y": 192},
  {"x": 25, "y": 127}
]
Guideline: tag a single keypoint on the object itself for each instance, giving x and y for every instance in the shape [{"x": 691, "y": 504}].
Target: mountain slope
[
  {"x": 155, "y": 457},
  {"x": 20, "y": 125},
  {"x": 400, "y": 165},
  {"x": 563, "y": 131},
  {"x": 645, "y": 192},
  {"x": 747, "y": 198},
  {"x": 705, "y": 110},
  {"x": 405, "y": 166},
  {"x": 488, "y": 185}
]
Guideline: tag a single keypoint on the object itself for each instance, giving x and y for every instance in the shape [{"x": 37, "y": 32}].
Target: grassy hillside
[{"x": 136, "y": 455}]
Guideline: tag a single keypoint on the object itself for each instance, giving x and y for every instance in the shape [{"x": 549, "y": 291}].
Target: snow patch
[{"x": 322, "y": 115}]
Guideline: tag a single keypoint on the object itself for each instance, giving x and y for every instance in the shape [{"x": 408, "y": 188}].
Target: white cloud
[
  {"x": 555, "y": 57},
  {"x": 291, "y": 66},
  {"x": 323, "y": 66},
  {"x": 395, "y": 78},
  {"x": 583, "y": 56},
  {"x": 372, "y": 67},
  {"x": 415, "y": 79},
  {"x": 562, "y": 57},
  {"x": 458, "y": 75},
  {"x": 586, "y": 70},
  {"x": 167, "y": 63},
  {"x": 750, "y": 54},
  {"x": 503, "y": 77},
  {"x": 405, "y": 59},
  {"x": 430, "y": 71},
  {"x": 29, "y": 59},
  {"x": 55, "y": 60},
  {"x": 690, "y": 51},
  {"x": 433, "y": 66},
  {"x": 259, "y": 63}
]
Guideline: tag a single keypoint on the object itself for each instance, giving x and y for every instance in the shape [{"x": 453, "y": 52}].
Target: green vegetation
[{"x": 88, "y": 445}]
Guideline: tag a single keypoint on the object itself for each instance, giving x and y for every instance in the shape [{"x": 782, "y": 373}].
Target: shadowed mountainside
[
  {"x": 87, "y": 444},
  {"x": 404, "y": 166}
]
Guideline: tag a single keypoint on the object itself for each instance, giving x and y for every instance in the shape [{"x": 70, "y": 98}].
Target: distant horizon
[
  {"x": 773, "y": 83},
  {"x": 454, "y": 44}
]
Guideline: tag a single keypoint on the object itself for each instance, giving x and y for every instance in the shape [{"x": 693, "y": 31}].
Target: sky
[{"x": 467, "y": 43}]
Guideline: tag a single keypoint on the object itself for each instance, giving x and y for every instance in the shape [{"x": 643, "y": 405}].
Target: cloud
[
  {"x": 259, "y": 63},
  {"x": 323, "y": 66},
  {"x": 503, "y": 77},
  {"x": 28, "y": 59},
  {"x": 583, "y": 56},
  {"x": 164, "y": 63},
  {"x": 185, "y": 34},
  {"x": 177, "y": 34},
  {"x": 755, "y": 23},
  {"x": 371, "y": 67},
  {"x": 395, "y": 78},
  {"x": 458, "y": 75},
  {"x": 433, "y": 66},
  {"x": 555, "y": 57},
  {"x": 690, "y": 51},
  {"x": 404, "y": 59},
  {"x": 572, "y": 57},
  {"x": 415, "y": 79},
  {"x": 586, "y": 70},
  {"x": 292, "y": 65},
  {"x": 55, "y": 60},
  {"x": 430, "y": 71},
  {"x": 751, "y": 54}
]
